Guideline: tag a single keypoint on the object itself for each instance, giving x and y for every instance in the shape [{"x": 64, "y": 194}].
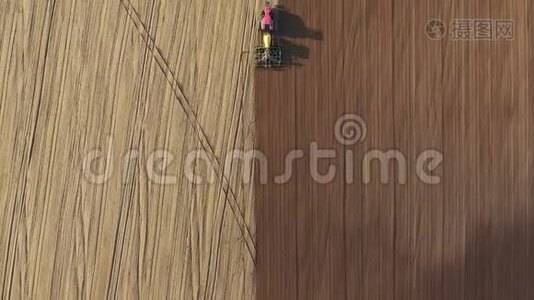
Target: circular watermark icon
[
  {"x": 350, "y": 129},
  {"x": 435, "y": 29}
]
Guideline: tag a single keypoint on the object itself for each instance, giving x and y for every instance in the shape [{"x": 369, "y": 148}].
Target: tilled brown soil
[{"x": 468, "y": 237}]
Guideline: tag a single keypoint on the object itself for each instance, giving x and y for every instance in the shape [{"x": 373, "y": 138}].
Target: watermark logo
[
  {"x": 471, "y": 30},
  {"x": 324, "y": 165},
  {"x": 435, "y": 29},
  {"x": 350, "y": 129}
]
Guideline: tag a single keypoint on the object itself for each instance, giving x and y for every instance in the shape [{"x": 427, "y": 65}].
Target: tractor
[{"x": 269, "y": 52}]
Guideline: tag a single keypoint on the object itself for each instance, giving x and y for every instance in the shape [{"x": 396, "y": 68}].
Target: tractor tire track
[{"x": 197, "y": 127}]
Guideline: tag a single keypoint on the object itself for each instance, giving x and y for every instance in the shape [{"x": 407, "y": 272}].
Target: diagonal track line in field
[{"x": 193, "y": 119}]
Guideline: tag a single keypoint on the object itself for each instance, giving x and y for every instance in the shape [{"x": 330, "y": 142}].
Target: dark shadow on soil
[
  {"x": 496, "y": 263},
  {"x": 289, "y": 27}
]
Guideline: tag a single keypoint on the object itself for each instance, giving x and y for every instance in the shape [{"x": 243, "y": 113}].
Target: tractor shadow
[{"x": 288, "y": 28}]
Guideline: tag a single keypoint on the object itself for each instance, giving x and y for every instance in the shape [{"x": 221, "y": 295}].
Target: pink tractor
[
  {"x": 267, "y": 53},
  {"x": 267, "y": 23}
]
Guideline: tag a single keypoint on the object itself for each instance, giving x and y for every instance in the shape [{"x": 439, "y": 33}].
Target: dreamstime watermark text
[{"x": 325, "y": 166}]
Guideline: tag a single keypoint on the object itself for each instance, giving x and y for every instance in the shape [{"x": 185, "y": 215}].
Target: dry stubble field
[{"x": 120, "y": 76}]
